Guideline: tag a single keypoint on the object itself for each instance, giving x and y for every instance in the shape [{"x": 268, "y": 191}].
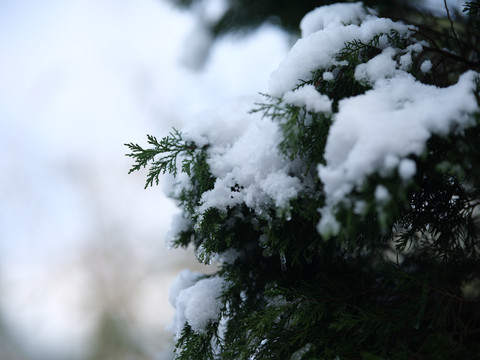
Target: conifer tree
[{"x": 342, "y": 208}]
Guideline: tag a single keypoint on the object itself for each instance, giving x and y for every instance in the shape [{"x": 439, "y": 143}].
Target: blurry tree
[
  {"x": 115, "y": 274},
  {"x": 9, "y": 349},
  {"x": 245, "y": 15},
  {"x": 113, "y": 339}
]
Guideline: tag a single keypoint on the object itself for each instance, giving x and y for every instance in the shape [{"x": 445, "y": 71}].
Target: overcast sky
[{"x": 78, "y": 79}]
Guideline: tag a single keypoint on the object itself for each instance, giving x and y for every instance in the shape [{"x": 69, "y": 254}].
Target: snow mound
[
  {"x": 196, "y": 301},
  {"x": 309, "y": 97}
]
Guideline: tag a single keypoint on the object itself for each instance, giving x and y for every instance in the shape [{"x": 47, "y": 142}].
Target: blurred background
[{"x": 84, "y": 270}]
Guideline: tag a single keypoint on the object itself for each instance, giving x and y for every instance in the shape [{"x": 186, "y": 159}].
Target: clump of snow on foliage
[
  {"x": 407, "y": 168},
  {"x": 384, "y": 65},
  {"x": 381, "y": 194},
  {"x": 196, "y": 300},
  {"x": 244, "y": 158},
  {"x": 309, "y": 97},
  {"x": 328, "y": 76},
  {"x": 184, "y": 279},
  {"x": 426, "y": 66},
  {"x": 317, "y": 49},
  {"x": 406, "y": 59},
  {"x": 220, "y": 127},
  {"x": 334, "y": 15},
  {"x": 381, "y": 66},
  {"x": 394, "y": 119}
]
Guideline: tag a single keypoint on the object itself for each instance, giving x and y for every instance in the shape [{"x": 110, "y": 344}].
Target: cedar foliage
[{"x": 402, "y": 282}]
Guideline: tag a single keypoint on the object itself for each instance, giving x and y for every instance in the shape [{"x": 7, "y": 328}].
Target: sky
[{"x": 78, "y": 79}]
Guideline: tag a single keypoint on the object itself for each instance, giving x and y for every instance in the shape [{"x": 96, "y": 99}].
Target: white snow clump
[
  {"x": 196, "y": 301},
  {"x": 381, "y": 194},
  {"x": 317, "y": 49},
  {"x": 309, "y": 97},
  {"x": 394, "y": 119},
  {"x": 334, "y": 15},
  {"x": 426, "y": 66},
  {"x": 244, "y": 157}
]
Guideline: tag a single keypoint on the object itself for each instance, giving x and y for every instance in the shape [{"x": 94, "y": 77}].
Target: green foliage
[
  {"x": 400, "y": 278},
  {"x": 169, "y": 148},
  {"x": 472, "y": 8},
  {"x": 305, "y": 132},
  {"x": 196, "y": 345}
]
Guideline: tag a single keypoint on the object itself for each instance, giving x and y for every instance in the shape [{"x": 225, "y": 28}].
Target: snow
[
  {"x": 317, "y": 50},
  {"x": 381, "y": 194},
  {"x": 184, "y": 280},
  {"x": 406, "y": 59},
  {"x": 309, "y": 97},
  {"x": 328, "y": 75},
  {"x": 334, "y": 15},
  {"x": 395, "y": 119},
  {"x": 384, "y": 65},
  {"x": 243, "y": 154},
  {"x": 426, "y": 66},
  {"x": 221, "y": 126},
  {"x": 407, "y": 169},
  {"x": 381, "y": 66},
  {"x": 196, "y": 301},
  {"x": 328, "y": 224}
]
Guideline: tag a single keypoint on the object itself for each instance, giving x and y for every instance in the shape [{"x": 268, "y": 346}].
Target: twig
[{"x": 453, "y": 27}]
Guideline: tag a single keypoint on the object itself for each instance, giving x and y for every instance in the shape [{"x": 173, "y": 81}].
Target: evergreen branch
[
  {"x": 472, "y": 8},
  {"x": 169, "y": 148},
  {"x": 454, "y": 57}
]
